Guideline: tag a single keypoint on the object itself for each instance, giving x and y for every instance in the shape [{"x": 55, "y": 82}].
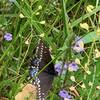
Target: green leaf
[{"x": 91, "y": 37}]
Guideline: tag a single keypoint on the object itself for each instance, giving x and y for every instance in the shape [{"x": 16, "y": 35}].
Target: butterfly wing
[
  {"x": 45, "y": 83},
  {"x": 43, "y": 54},
  {"x": 46, "y": 76}
]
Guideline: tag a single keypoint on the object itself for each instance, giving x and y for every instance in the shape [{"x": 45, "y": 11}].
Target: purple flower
[
  {"x": 59, "y": 67},
  {"x": 8, "y": 36},
  {"x": 64, "y": 94},
  {"x": 79, "y": 45},
  {"x": 73, "y": 66}
]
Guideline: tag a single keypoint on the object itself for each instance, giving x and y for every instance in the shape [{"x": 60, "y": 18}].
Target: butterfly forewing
[{"x": 43, "y": 54}]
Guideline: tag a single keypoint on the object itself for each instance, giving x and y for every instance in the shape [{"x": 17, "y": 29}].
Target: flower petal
[{"x": 8, "y": 36}]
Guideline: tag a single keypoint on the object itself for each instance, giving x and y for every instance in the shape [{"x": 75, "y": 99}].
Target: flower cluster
[
  {"x": 59, "y": 67},
  {"x": 71, "y": 67}
]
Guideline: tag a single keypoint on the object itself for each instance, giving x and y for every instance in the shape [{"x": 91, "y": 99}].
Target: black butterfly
[{"x": 45, "y": 78}]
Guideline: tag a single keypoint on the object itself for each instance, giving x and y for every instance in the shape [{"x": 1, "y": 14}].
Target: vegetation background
[{"x": 57, "y": 22}]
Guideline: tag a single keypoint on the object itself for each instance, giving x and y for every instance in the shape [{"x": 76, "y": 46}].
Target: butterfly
[{"x": 45, "y": 78}]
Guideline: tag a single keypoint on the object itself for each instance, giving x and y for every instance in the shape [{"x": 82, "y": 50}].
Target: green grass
[{"x": 62, "y": 24}]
